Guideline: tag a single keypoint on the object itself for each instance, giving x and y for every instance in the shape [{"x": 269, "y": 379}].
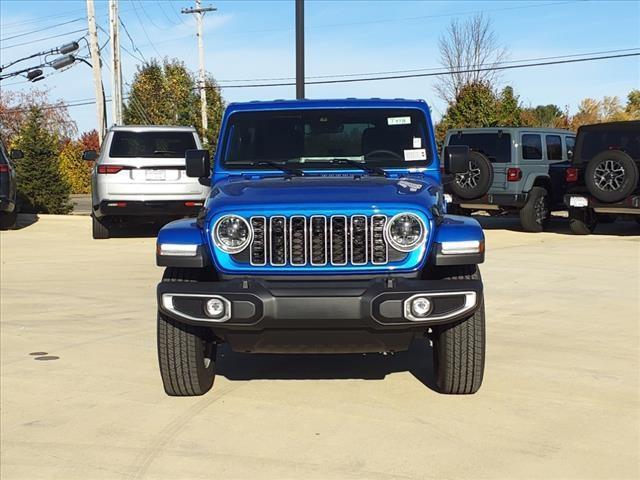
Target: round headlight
[
  {"x": 405, "y": 232},
  {"x": 232, "y": 234}
]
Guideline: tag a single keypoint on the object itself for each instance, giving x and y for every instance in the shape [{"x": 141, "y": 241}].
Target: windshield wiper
[
  {"x": 362, "y": 166},
  {"x": 286, "y": 169}
]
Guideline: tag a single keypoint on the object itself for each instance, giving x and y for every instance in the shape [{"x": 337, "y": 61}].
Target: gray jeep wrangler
[{"x": 509, "y": 171}]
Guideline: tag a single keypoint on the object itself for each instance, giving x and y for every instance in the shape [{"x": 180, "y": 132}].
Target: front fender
[
  {"x": 458, "y": 241},
  {"x": 181, "y": 244}
]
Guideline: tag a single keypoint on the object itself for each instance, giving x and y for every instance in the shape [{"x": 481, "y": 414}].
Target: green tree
[
  {"x": 633, "y": 104},
  {"x": 475, "y": 106},
  {"x": 167, "y": 94},
  {"x": 548, "y": 116},
  {"x": 41, "y": 186},
  {"x": 509, "y": 110}
]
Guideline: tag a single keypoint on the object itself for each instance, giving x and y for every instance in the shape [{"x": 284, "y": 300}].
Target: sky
[{"x": 256, "y": 39}]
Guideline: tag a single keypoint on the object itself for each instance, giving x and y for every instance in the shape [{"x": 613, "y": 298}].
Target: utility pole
[
  {"x": 199, "y": 12},
  {"x": 116, "y": 72},
  {"x": 95, "y": 65},
  {"x": 299, "y": 49}
]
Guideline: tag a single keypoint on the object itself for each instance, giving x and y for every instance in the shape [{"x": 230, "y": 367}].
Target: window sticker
[
  {"x": 415, "y": 154},
  {"x": 417, "y": 142},
  {"x": 398, "y": 120}
]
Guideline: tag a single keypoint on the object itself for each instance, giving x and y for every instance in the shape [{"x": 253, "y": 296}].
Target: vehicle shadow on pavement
[
  {"x": 560, "y": 225},
  {"x": 25, "y": 220},
  {"x": 144, "y": 230},
  {"x": 370, "y": 366}
]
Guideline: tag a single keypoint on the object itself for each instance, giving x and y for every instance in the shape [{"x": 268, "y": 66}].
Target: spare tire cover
[{"x": 477, "y": 180}]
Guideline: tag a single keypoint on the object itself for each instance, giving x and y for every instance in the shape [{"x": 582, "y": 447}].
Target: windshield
[
  {"x": 328, "y": 139},
  {"x": 497, "y": 148},
  {"x": 156, "y": 144}
]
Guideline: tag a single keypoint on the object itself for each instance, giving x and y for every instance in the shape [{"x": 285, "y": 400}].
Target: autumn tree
[
  {"x": 75, "y": 171},
  {"x": 41, "y": 187},
  {"x": 546, "y": 116},
  {"x": 15, "y": 107},
  {"x": 468, "y": 50},
  {"x": 167, "y": 94},
  {"x": 633, "y": 105}
]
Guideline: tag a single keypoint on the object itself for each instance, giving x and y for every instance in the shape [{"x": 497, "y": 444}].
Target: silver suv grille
[{"x": 318, "y": 240}]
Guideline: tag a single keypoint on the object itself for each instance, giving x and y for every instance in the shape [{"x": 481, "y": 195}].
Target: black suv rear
[{"x": 604, "y": 175}]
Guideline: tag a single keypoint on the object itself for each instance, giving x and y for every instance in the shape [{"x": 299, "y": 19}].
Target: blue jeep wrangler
[{"x": 325, "y": 232}]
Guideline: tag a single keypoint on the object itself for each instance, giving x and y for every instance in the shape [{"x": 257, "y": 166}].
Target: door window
[
  {"x": 554, "y": 147},
  {"x": 531, "y": 147}
]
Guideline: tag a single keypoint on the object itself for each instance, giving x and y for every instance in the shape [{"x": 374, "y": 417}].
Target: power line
[
  {"x": 133, "y": 44},
  {"x": 39, "y": 30},
  {"x": 388, "y": 72},
  {"x": 77, "y": 103},
  {"x": 172, "y": 22},
  {"x": 433, "y": 74},
  {"x": 42, "y": 39},
  {"x": 144, "y": 30}
]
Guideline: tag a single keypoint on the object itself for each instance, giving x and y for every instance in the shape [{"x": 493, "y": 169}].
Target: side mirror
[
  {"x": 570, "y": 154},
  {"x": 90, "y": 155},
  {"x": 16, "y": 154},
  {"x": 456, "y": 159},
  {"x": 198, "y": 163}
]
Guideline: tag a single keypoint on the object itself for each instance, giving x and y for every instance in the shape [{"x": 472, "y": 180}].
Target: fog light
[
  {"x": 215, "y": 308},
  {"x": 420, "y": 307}
]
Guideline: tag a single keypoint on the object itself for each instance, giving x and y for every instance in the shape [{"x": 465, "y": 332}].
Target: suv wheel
[
  {"x": 476, "y": 181},
  {"x": 186, "y": 353},
  {"x": 582, "y": 221},
  {"x": 100, "y": 228},
  {"x": 459, "y": 348},
  {"x": 536, "y": 214},
  {"x": 611, "y": 176}
]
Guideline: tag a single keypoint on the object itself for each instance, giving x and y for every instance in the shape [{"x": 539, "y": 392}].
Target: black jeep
[{"x": 603, "y": 175}]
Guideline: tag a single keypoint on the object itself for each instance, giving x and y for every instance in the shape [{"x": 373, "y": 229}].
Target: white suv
[{"x": 140, "y": 175}]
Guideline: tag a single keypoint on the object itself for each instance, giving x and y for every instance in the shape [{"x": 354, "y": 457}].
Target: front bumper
[
  {"x": 320, "y": 316},
  {"x": 157, "y": 208}
]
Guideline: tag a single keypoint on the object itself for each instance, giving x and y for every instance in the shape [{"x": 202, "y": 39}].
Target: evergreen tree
[
  {"x": 41, "y": 187},
  {"x": 509, "y": 110}
]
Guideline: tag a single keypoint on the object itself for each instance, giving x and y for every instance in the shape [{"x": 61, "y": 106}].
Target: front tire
[
  {"x": 536, "y": 214},
  {"x": 459, "y": 348},
  {"x": 186, "y": 353}
]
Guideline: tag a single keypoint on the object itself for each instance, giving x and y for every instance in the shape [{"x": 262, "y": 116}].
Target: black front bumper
[
  {"x": 320, "y": 316},
  {"x": 179, "y": 208}
]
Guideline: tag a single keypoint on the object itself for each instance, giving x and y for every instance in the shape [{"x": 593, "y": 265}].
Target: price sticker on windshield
[
  {"x": 399, "y": 120},
  {"x": 415, "y": 154}
]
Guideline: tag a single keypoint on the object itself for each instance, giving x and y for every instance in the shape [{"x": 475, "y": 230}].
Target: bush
[{"x": 41, "y": 187}]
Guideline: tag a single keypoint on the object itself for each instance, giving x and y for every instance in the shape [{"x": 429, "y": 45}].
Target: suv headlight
[
  {"x": 405, "y": 232},
  {"x": 232, "y": 234}
]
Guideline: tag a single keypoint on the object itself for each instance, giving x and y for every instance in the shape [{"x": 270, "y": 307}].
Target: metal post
[
  {"x": 299, "y": 49},
  {"x": 116, "y": 72},
  {"x": 95, "y": 65},
  {"x": 199, "y": 12}
]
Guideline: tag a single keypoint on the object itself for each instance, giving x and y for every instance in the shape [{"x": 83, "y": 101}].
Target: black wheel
[
  {"x": 582, "y": 221},
  {"x": 186, "y": 353},
  {"x": 8, "y": 220},
  {"x": 100, "y": 228},
  {"x": 459, "y": 348},
  {"x": 476, "y": 181},
  {"x": 536, "y": 214},
  {"x": 611, "y": 176}
]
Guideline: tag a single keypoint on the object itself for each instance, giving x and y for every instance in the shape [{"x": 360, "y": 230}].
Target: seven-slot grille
[{"x": 318, "y": 240}]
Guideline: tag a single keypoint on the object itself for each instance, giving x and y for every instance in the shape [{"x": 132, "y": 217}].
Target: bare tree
[{"x": 468, "y": 45}]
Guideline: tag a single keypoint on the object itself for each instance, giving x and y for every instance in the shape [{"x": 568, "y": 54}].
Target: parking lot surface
[{"x": 81, "y": 396}]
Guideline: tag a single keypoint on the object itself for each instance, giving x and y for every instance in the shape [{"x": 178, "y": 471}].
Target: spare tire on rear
[
  {"x": 611, "y": 176},
  {"x": 477, "y": 180}
]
